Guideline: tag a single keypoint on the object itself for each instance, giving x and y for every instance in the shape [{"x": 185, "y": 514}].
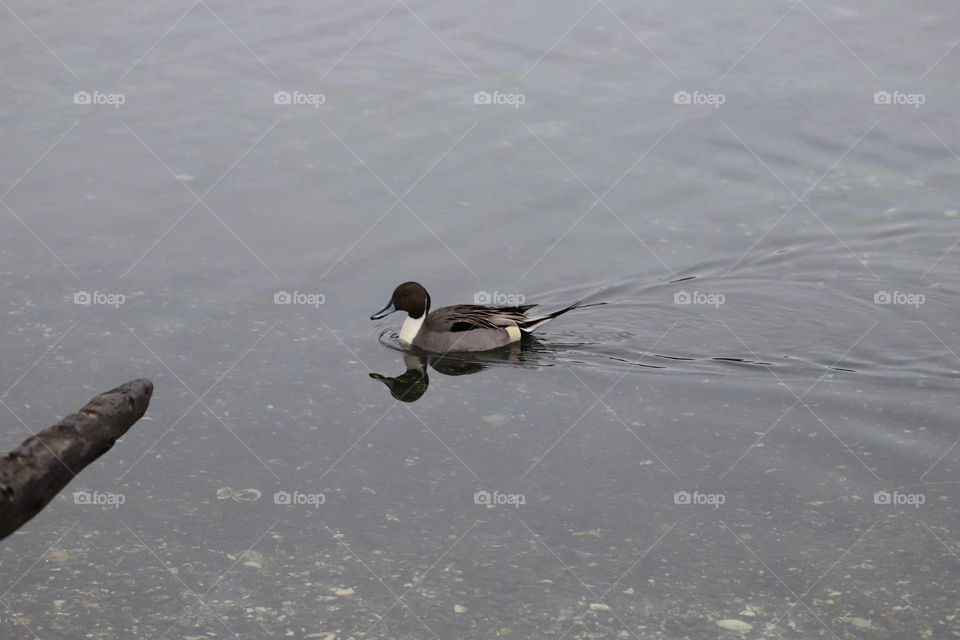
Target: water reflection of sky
[{"x": 776, "y": 464}]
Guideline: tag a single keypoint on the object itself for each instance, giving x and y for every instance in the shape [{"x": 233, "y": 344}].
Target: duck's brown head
[{"x": 410, "y": 297}]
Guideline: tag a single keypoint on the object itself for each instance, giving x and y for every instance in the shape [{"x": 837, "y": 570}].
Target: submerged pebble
[
  {"x": 732, "y": 624},
  {"x": 861, "y": 623},
  {"x": 252, "y": 556},
  {"x": 246, "y": 495},
  {"x": 59, "y": 556}
]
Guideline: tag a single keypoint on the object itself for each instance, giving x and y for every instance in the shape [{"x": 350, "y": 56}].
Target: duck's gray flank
[{"x": 463, "y": 327}]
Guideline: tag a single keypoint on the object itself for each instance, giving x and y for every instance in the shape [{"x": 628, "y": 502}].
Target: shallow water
[{"x": 665, "y": 470}]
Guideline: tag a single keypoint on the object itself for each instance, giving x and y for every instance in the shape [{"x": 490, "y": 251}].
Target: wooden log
[{"x": 36, "y": 471}]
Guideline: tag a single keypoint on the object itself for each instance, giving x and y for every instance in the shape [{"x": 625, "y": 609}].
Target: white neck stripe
[{"x": 410, "y": 329}]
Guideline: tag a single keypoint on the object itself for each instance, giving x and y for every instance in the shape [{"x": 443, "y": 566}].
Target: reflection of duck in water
[
  {"x": 462, "y": 327},
  {"x": 410, "y": 385}
]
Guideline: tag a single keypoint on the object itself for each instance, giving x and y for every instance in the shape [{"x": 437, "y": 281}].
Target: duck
[{"x": 462, "y": 327}]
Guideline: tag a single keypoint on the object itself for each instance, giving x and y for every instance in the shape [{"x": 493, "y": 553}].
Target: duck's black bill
[{"x": 383, "y": 313}]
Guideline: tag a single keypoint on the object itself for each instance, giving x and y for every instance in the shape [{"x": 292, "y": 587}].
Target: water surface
[{"x": 776, "y": 459}]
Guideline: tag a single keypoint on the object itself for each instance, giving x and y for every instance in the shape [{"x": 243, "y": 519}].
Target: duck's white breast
[{"x": 410, "y": 329}]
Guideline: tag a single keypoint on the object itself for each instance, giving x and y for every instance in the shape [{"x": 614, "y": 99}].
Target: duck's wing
[{"x": 469, "y": 317}]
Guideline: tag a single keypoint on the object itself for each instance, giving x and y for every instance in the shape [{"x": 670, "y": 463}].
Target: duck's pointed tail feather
[{"x": 535, "y": 323}]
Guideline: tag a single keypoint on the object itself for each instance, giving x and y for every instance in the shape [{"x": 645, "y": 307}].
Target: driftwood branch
[{"x": 32, "y": 474}]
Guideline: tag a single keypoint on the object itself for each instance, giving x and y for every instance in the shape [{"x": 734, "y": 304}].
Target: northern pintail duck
[{"x": 462, "y": 327}]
